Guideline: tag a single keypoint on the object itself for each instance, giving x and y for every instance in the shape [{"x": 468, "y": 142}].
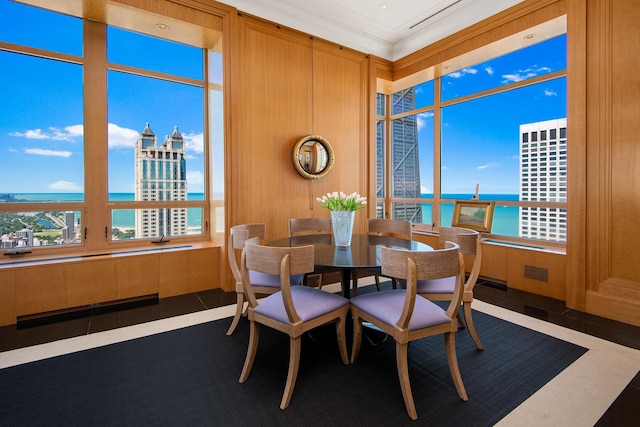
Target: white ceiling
[{"x": 392, "y": 32}]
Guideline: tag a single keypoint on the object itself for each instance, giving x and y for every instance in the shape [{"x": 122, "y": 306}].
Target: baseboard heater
[{"x": 54, "y": 316}]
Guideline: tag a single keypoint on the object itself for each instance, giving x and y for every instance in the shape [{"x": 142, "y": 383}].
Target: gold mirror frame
[{"x": 313, "y": 156}]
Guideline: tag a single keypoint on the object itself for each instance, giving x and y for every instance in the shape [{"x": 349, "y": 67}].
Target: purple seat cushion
[
  {"x": 271, "y": 280},
  {"x": 436, "y": 286},
  {"x": 387, "y": 306},
  {"x": 309, "y": 303}
]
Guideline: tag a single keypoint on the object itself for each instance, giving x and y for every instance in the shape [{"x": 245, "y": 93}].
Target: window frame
[
  {"x": 96, "y": 209},
  {"x": 437, "y": 201}
]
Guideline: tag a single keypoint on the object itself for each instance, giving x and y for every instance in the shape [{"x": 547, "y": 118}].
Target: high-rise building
[
  {"x": 161, "y": 174},
  {"x": 405, "y": 180},
  {"x": 24, "y": 237},
  {"x": 543, "y": 178},
  {"x": 68, "y": 232}
]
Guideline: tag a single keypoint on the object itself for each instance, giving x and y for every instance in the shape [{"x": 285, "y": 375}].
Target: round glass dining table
[{"x": 364, "y": 252}]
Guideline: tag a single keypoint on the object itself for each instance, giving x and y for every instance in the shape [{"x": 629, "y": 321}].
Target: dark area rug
[{"x": 189, "y": 377}]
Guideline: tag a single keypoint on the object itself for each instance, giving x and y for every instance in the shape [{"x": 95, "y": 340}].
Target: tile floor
[{"x": 624, "y": 410}]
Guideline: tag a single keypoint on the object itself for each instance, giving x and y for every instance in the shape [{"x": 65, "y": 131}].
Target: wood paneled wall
[
  {"x": 603, "y": 275},
  {"x": 290, "y": 85}
]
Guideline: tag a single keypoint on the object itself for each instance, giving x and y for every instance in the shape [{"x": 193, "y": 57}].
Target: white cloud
[
  {"x": 75, "y": 130},
  {"x": 195, "y": 178},
  {"x": 64, "y": 186},
  {"x": 462, "y": 73},
  {"x": 487, "y": 166},
  {"x": 420, "y": 120},
  {"x": 30, "y": 134},
  {"x": 42, "y": 152},
  {"x": 68, "y": 133},
  {"x": 512, "y": 78},
  {"x": 489, "y": 70},
  {"x": 524, "y": 74},
  {"x": 194, "y": 142},
  {"x": 425, "y": 190},
  {"x": 550, "y": 92},
  {"x": 120, "y": 137}
]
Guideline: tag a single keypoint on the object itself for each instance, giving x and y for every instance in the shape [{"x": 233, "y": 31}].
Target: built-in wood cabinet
[
  {"x": 538, "y": 271},
  {"x": 77, "y": 282},
  {"x": 7, "y": 297}
]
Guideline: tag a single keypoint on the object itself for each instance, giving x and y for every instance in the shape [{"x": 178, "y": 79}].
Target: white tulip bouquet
[{"x": 342, "y": 202}]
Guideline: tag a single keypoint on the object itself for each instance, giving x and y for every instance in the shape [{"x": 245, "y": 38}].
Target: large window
[
  {"x": 497, "y": 128},
  {"x": 102, "y": 151},
  {"x": 164, "y": 159}
]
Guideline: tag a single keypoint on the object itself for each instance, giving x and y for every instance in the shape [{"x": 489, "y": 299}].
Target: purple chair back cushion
[
  {"x": 387, "y": 306},
  {"x": 435, "y": 286},
  {"x": 272, "y": 280},
  {"x": 309, "y": 303}
]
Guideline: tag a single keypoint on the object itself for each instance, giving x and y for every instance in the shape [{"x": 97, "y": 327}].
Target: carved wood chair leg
[
  {"x": 292, "y": 375},
  {"x": 378, "y": 283},
  {"x": 460, "y": 321},
  {"x": 403, "y": 375},
  {"x": 236, "y": 317},
  {"x": 450, "y": 344},
  {"x": 357, "y": 336},
  {"x": 470, "y": 326},
  {"x": 254, "y": 336},
  {"x": 342, "y": 341}
]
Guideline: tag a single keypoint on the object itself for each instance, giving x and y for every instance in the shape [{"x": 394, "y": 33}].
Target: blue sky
[
  {"x": 481, "y": 137},
  {"x": 41, "y": 131}
]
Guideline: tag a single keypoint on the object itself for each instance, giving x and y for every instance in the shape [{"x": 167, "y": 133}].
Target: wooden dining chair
[
  {"x": 293, "y": 310},
  {"x": 406, "y": 316},
  {"x": 306, "y": 226},
  {"x": 382, "y": 227},
  {"x": 262, "y": 283},
  {"x": 442, "y": 289},
  {"x": 309, "y": 225}
]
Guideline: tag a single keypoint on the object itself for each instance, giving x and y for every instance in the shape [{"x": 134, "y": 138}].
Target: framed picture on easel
[{"x": 474, "y": 214}]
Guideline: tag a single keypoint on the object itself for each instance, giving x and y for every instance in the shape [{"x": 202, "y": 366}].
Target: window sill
[
  {"x": 527, "y": 244},
  {"x": 28, "y": 259}
]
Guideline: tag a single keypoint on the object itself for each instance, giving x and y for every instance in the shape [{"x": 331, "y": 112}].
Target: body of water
[
  {"x": 122, "y": 218},
  {"x": 505, "y": 218}
]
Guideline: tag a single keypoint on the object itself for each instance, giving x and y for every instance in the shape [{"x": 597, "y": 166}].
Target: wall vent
[{"x": 536, "y": 273}]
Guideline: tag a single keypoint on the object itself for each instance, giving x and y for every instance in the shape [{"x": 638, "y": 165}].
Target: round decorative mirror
[{"x": 313, "y": 157}]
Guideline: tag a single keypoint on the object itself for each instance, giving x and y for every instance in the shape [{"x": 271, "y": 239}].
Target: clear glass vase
[{"x": 342, "y": 224}]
